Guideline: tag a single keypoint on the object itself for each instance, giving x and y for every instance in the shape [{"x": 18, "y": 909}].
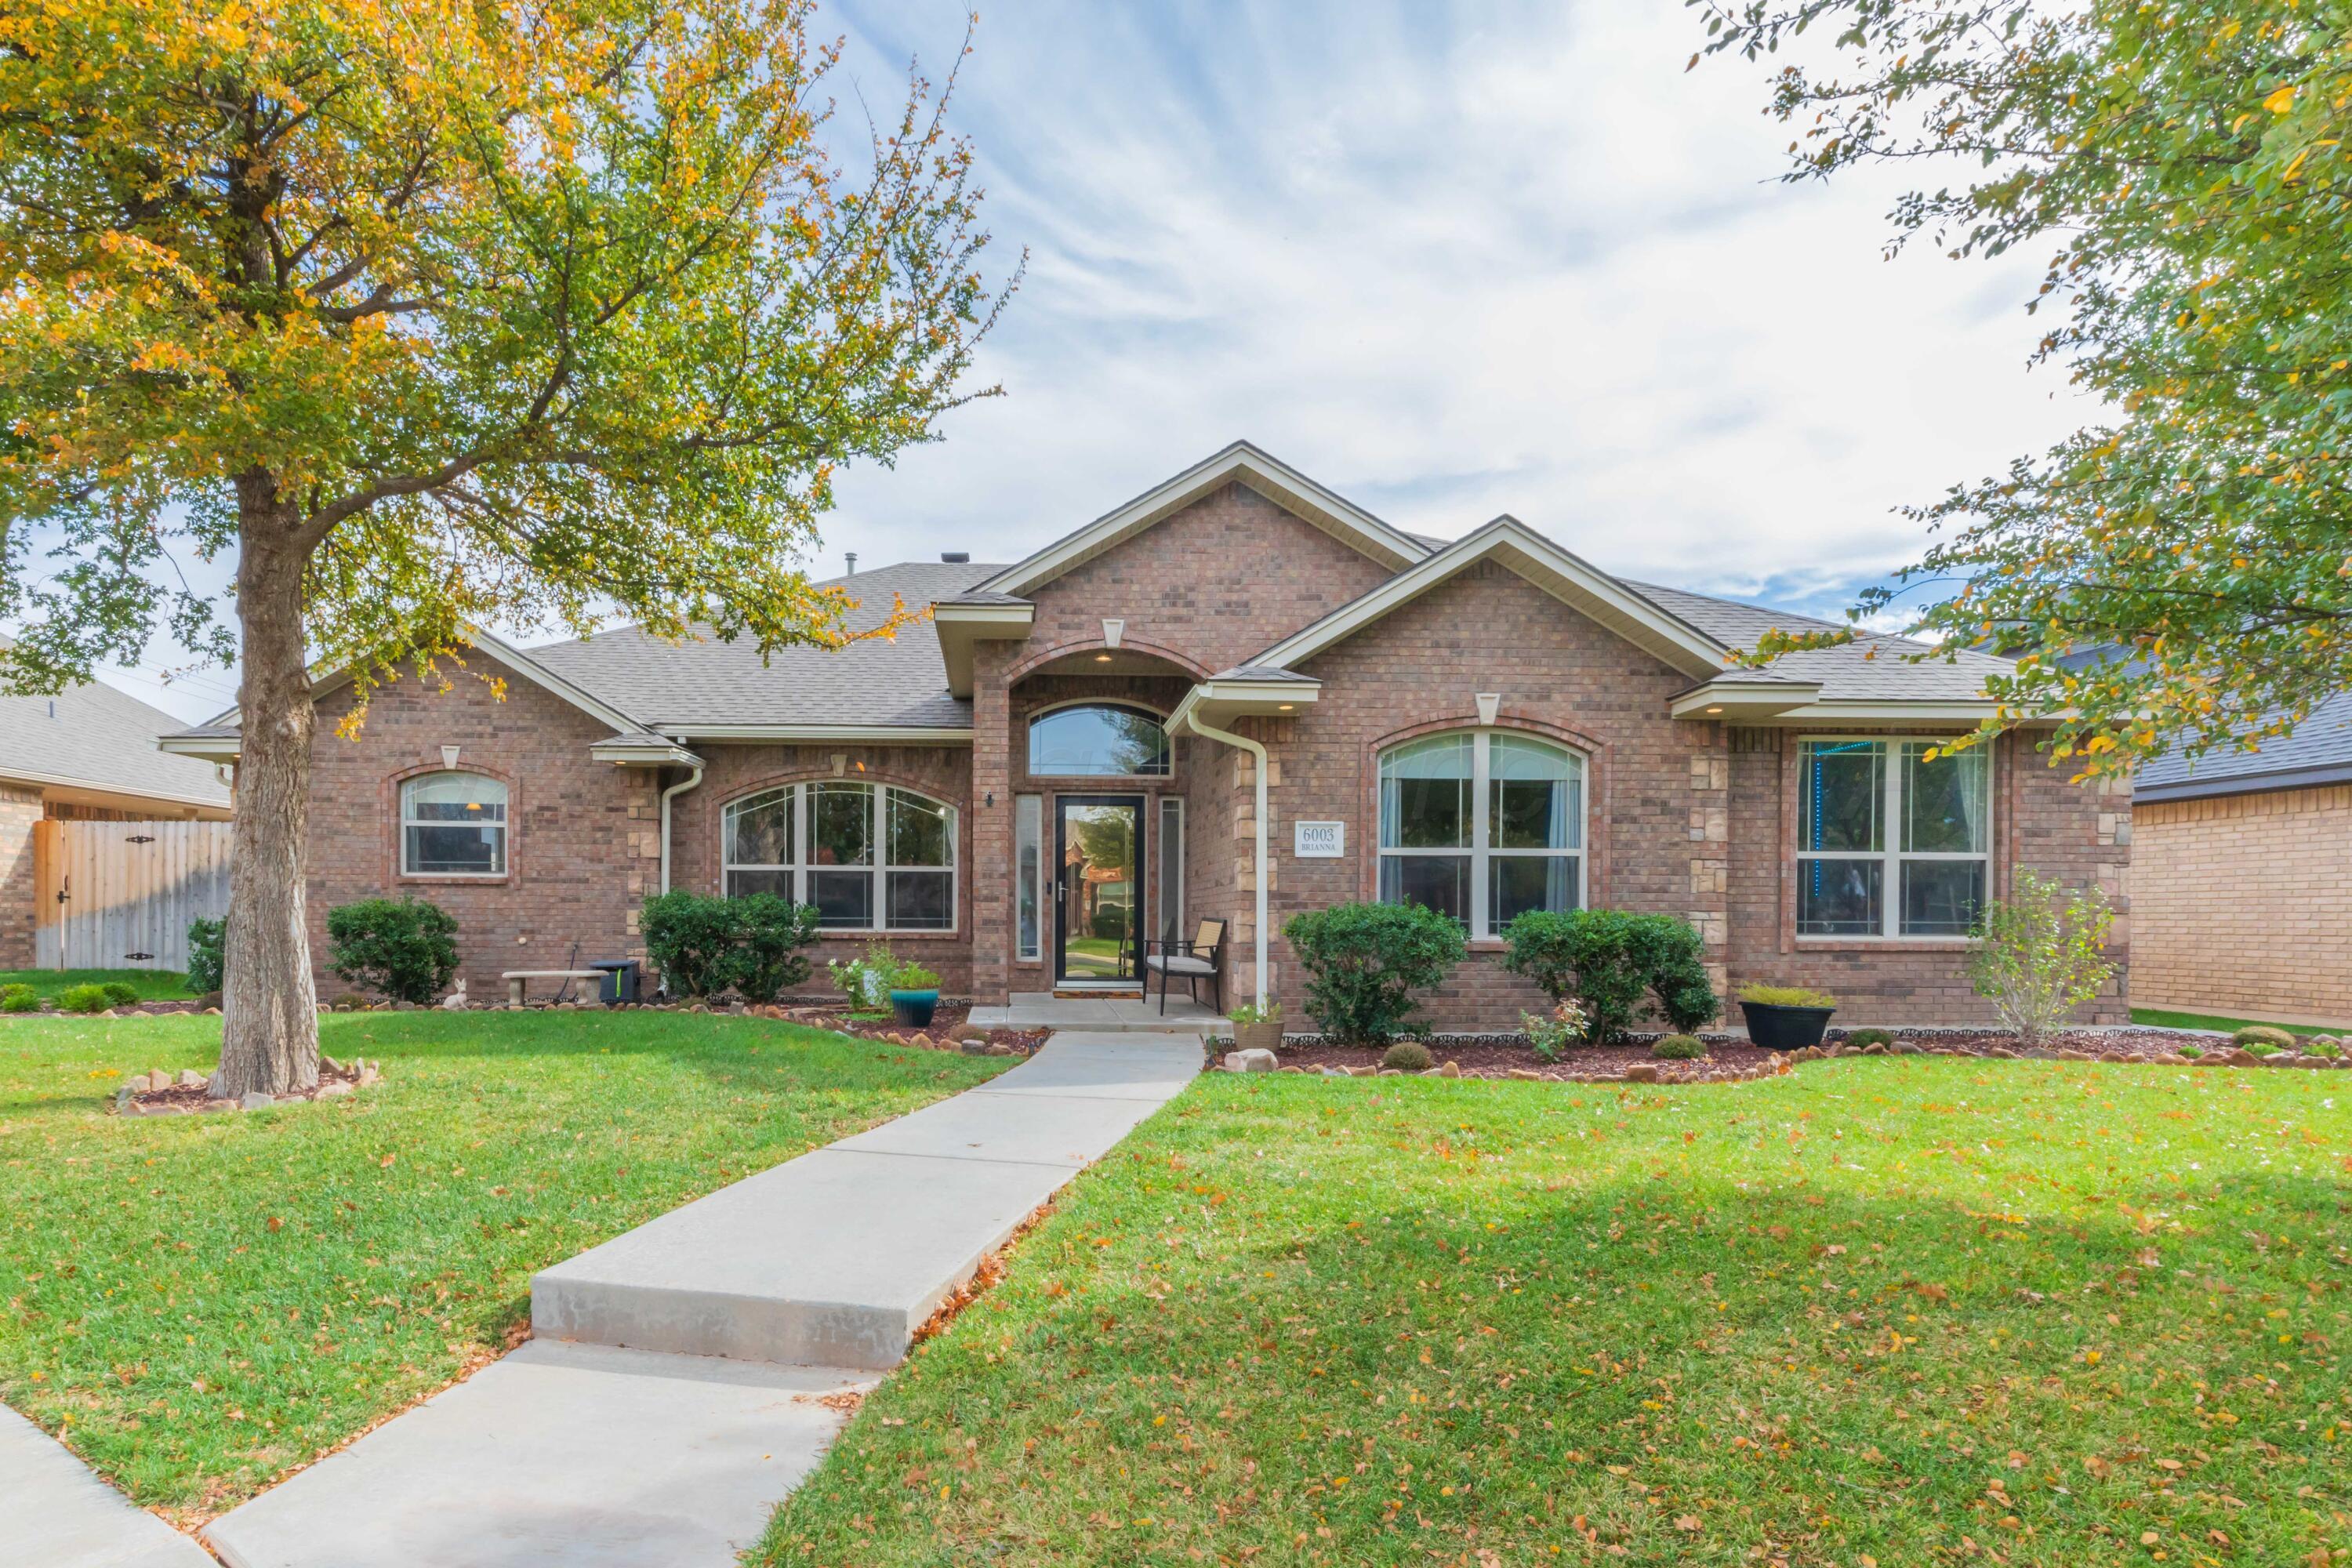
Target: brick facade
[
  {"x": 2242, "y": 904},
  {"x": 583, "y": 837},
  {"x": 1691, "y": 818}
]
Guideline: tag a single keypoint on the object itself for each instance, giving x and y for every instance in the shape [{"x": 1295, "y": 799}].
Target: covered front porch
[{"x": 1105, "y": 1015}]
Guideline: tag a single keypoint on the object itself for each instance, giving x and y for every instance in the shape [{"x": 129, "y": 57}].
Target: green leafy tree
[
  {"x": 2184, "y": 165},
  {"x": 433, "y": 315}
]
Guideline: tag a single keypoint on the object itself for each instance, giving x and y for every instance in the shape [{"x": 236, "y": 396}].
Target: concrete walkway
[
  {"x": 1103, "y": 1015},
  {"x": 687, "y": 1375},
  {"x": 56, "y": 1514}
]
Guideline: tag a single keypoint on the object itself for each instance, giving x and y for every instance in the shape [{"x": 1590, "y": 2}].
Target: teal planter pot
[{"x": 914, "y": 1008}]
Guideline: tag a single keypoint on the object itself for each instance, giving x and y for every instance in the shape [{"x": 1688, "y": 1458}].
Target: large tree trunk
[{"x": 269, "y": 1013}]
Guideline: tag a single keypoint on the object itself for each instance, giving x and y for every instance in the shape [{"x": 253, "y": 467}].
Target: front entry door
[{"x": 1097, "y": 889}]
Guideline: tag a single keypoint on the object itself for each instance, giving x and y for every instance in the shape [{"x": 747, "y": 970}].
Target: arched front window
[
  {"x": 1097, "y": 740},
  {"x": 869, "y": 857},
  {"x": 1482, "y": 825},
  {"x": 453, "y": 825}
]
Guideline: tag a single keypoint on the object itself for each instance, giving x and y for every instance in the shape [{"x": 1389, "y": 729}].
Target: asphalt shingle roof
[
  {"x": 101, "y": 739},
  {"x": 2320, "y": 746},
  {"x": 900, "y": 681},
  {"x": 1870, "y": 669}
]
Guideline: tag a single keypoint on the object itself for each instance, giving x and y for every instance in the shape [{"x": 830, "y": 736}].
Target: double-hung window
[
  {"x": 869, "y": 857},
  {"x": 1893, "y": 838},
  {"x": 1482, "y": 825},
  {"x": 453, "y": 825}
]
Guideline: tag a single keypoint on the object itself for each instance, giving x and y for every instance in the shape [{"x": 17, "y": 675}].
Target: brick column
[
  {"x": 20, "y": 810},
  {"x": 991, "y": 826}
]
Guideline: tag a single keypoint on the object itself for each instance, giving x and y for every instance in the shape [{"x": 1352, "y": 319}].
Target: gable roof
[
  {"x": 94, "y": 737},
  {"x": 713, "y": 689},
  {"x": 1569, "y": 578},
  {"x": 1238, "y": 463}
]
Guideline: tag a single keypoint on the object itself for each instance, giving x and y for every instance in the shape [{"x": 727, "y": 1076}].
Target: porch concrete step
[{"x": 837, "y": 1257}]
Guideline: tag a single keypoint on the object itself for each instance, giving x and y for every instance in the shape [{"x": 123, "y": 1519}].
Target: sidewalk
[
  {"x": 58, "y": 1514},
  {"x": 687, "y": 1375}
]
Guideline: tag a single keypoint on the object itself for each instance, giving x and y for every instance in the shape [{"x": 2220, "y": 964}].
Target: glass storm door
[{"x": 1097, "y": 888}]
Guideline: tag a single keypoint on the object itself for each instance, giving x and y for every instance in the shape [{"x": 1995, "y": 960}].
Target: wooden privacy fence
[{"x": 119, "y": 895}]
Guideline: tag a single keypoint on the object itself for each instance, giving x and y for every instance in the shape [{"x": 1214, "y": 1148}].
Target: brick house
[
  {"x": 2241, "y": 877},
  {"x": 1237, "y": 695}
]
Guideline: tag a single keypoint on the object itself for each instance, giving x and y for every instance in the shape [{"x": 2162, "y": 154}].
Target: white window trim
[
  {"x": 1891, "y": 855},
  {"x": 1482, "y": 738},
  {"x": 879, "y": 871},
  {"x": 1028, "y": 747},
  {"x": 506, "y": 830}
]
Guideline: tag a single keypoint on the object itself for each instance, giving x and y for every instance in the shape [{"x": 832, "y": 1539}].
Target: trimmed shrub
[
  {"x": 1366, "y": 962},
  {"x": 770, "y": 933},
  {"x": 1610, "y": 959},
  {"x": 404, "y": 948},
  {"x": 206, "y": 937},
  {"x": 1406, "y": 1055},
  {"x": 19, "y": 999},
  {"x": 2192, "y": 1051},
  {"x": 119, "y": 995},
  {"x": 1869, "y": 1038},
  {"x": 82, "y": 999},
  {"x": 2254, "y": 1037},
  {"x": 704, "y": 945},
  {"x": 1786, "y": 997},
  {"x": 16, "y": 988},
  {"x": 1679, "y": 1049},
  {"x": 688, "y": 937},
  {"x": 2328, "y": 1048}
]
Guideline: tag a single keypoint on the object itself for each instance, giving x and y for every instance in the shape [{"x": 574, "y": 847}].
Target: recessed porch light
[
  {"x": 1285, "y": 707},
  {"x": 1102, "y": 659},
  {"x": 1716, "y": 709}
]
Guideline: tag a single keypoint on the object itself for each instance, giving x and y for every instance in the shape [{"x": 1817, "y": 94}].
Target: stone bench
[{"x": 516, "y": 978}]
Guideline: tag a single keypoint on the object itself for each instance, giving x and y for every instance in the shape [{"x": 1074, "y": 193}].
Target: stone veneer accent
[{"x": 2242, "y": 904}]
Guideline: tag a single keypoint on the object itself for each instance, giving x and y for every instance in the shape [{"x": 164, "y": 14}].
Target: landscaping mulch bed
[
  {"x": 158, "y": 1093},
  {"x": 1732, "y": 1058},
  {"x": 949, "y": 1029}
]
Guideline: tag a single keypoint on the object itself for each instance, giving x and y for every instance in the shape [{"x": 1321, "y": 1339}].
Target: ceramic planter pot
[
  {"x": 914, "y": 1008},
  {"x": 1776, "y": 1029},
  {"x": 1263, "y": 1035}
]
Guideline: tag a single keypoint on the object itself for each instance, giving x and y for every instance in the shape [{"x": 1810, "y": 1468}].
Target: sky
[{"x": 1449, "y": 261}]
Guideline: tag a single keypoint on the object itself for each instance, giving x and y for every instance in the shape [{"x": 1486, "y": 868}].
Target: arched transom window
[
  {"x": 869, "y": 857},
  {"x": 1097, "y": 740},
  {"x": 453, "y": 825},
  {"x": 1482, "y": 825}
]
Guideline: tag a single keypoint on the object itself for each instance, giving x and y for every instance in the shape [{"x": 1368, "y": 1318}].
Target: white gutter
[
  {"x": 678, "y": 788},
  {"x": 1257, "y": 749}
]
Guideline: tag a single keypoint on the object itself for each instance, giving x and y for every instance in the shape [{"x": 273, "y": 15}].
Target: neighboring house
[
  {"x": 2242, "y": 877},
  {"x": 1071, "y": 750},
  {"x": 88, "y": 754}
]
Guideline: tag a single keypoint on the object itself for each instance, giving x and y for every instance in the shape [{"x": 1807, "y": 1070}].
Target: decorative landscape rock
[
  {"x": 1254, "y": 1060},
  {"x": 155, "y": 1092}
]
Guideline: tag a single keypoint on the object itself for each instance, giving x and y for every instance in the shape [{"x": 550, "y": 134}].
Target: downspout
[
  {"x": 1257, "y": 749},
  {"x": 687, "y": 782}
]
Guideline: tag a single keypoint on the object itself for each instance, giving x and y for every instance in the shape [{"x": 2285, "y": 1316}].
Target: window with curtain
[
  {"x": 869, "y": 857},
  {"x": 1893, "y": 838},
  {"x": 453, "y": 825},
  {"x": 1484, "y": 826},
  {"x": 1098, "y": 740}
]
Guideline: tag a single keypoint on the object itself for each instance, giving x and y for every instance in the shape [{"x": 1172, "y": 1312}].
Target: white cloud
[{"x": 1452, "y": 262}]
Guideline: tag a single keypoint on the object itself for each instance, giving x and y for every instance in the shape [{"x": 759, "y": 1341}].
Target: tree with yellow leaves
[
  {"x": 434, "y": 315},
  {"x": 2180, "y": 573}
]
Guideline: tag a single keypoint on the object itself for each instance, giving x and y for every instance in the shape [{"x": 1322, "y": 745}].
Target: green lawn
[
  {"x": 2165, "y": 1018},
  {"x": 198, "y": 1303},
  {"x": 153, "y": 984},
  {"x": 1895, "y": 1310}
]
